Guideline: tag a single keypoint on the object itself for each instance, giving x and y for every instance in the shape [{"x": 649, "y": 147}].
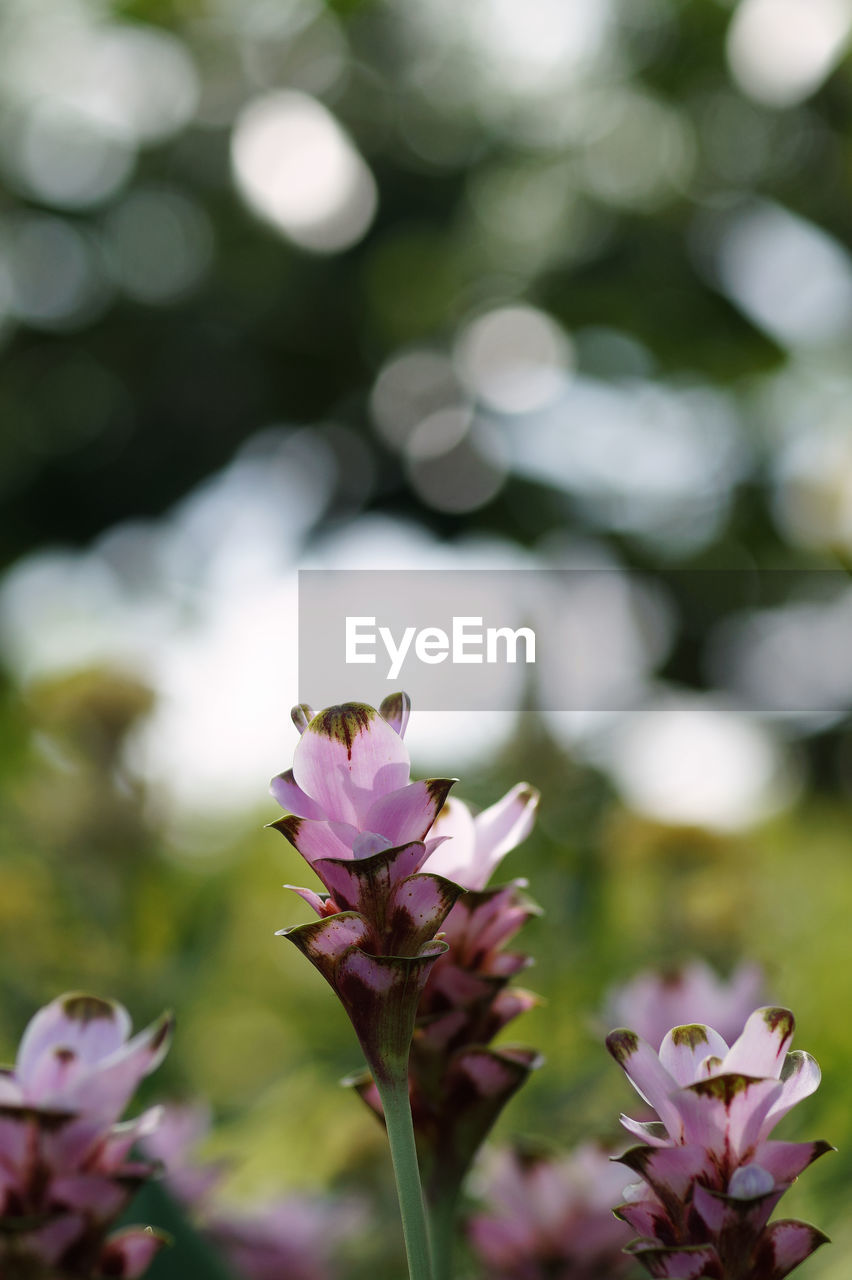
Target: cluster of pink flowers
[
  {"x": 711, "y": 1176},
  {"x": 65, "y": 1175},
  {"x": 550, "y": 1218}
]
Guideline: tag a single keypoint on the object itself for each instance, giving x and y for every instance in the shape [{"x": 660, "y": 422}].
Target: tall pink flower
[
  {"x": 550, "y": 1217},
  {"x": 361, "y": 824},
  {"x": 64, "y": 1171},
  {"x": 711, "y": 1174}
]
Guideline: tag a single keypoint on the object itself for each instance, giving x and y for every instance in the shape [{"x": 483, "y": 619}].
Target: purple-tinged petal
[
  {"x": 128, "y": 1254},
  {"x": 91, "y": 1027},
  {"x": 381, "y": 994},
  {"x": 321, "y": 903},
  {"x": 302, "y": 715},
  {"x": 800, "y": 1076},
  {"x": 726, "y": 1113},
  {"x": 647, "y": 1075},
  {"x": 105, "y": 1091},
  {"x": 786, "y": 1160},
  {"x": 500, "y": 829},
  {"x": 408, "y": 814},
  {"x": 315, "y": 840},
  {"x": 735, "y": 1218},
  {"x": 685, "y": 1048},
  {"x": 98, "y": 1197},
  {"x": 396, "y": 708},
  {"x": 646, "y": 1217},
  {"x": 652, "y": 1131},
  {"x": 291, "y": 797},
  {"x": 691, "y": 1262},
  {"x": 669, "y": 1171},
  {"x": 118, "y": 1142},
  {"x": 326, "y": 941},
  {"x": 11, "y": 1092},
  {"x": 415, "y": 911},
  {"x": 53, "y": 1075},
  {"x": 454, "y": 825},
  {"x": 783, "y": 1246},
  {"x": 763, "y": 1045},
  {"x": 347, "y": 757},
  {"x": 365, "y": 884}
]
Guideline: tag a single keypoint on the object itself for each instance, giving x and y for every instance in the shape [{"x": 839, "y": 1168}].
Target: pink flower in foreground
[
  {"x": 654, "y": 1002},
  {"x": 711, "y": 1174},
  {"x": 550, "y": 1218},
  {"x": 64, "y": 1171}
]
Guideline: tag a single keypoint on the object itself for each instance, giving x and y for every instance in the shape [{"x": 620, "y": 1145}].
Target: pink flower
[
  {"x": 63, "y": 1156},
  {"x": 550, "y": 1218},
  {"x": 653, "y": 1002},
  {"x": 711, "y": 1173}
]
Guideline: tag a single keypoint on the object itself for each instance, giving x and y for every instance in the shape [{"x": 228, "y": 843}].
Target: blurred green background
[{"x": 558, "y": 283}]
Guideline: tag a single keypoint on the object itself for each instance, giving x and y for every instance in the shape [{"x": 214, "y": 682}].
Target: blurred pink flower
[
  {"x": 295, "y": 1237},
  {"x": 550, "y": 1217},
  {"x": 711, "y": 1174},
  {"x": 63, "y": 1156},
  {"x": 653, "y": 1002},
  {"x": 476, "y": 845}
]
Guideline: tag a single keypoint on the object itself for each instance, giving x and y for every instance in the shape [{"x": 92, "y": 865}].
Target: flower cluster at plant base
[
  {"x": 711, "y": 1175},
  {"x": 64, "y": 1171},
  {"x": 550, "y": 1217}
]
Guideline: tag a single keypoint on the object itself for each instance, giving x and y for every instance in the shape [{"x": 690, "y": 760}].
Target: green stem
[
  {"x": 397, "y": 1109},
  {"x": 442, "y": 1218}
]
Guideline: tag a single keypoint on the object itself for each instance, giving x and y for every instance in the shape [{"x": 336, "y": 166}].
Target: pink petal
[
  {"x": 763, "y": 1045},
  {"x": 416, "y": 910},
  {"x": 98, "y": 1197},
  {"x": 726, "y": 1113},
  {"x": 316, "y": 840},
  {"x": 121, "y": 1138},
  {"x": 347, "y": 757},
  {"x": 93, "y": 1028},
  {"x": 648, "y": 1077},
  {"x": 650, "y": 1131},
  {"x": 106, "y": 1090},
  {"x": 669, "y": 1171},
  {"x": 396, "y": 709},
  {"x": 365, "y": 884},
  {"x": 381, "y": 994},
  {"x": 800, "y": 1076},
  {"x": 318, "y": 902},
  {"x": 695, "y": 1262},
  {"x": 455, "y": 827},
  {"x": 684, "y": 1049},
  {"x": 407, "y": 814},
  {"x": 500, "y": 829},
  {"x": 326, "y": 942},
  {"x": 302, "y": 715},
  {"x": 646, "y": 1217},
  {"x": 51, "y": 1242},
  {"x": 129, "y": 1253},
  {"x": 786, "y": 1160},
  {"x": 784, "y": 1246},
  {"x": 292, "y": 798},
  {"x": 742, "y": 1218}
]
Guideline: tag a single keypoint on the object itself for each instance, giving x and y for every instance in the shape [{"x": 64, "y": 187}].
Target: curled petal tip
[
  {"x": 396, "y": 709},
  {"x": 302, "y": 715}
]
